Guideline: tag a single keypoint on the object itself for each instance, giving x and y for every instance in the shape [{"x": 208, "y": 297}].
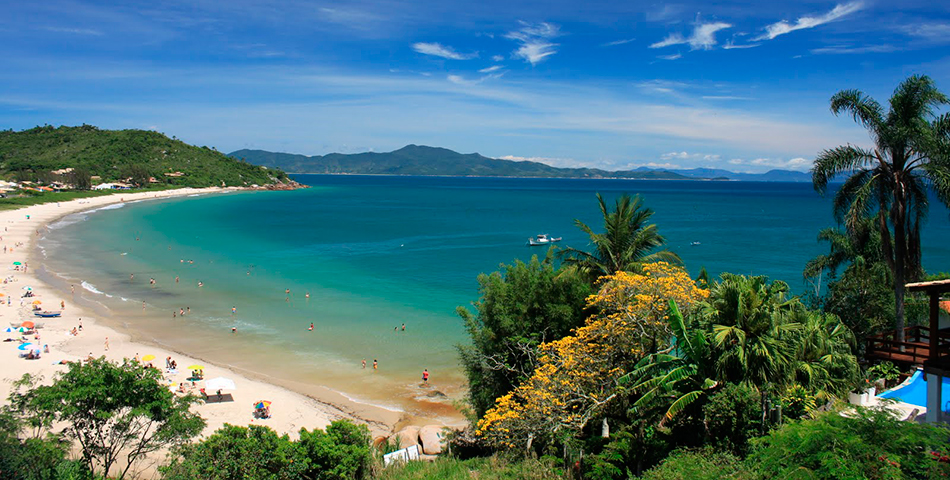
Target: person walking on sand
[
  {"x": 62, "y": 304},
  {"x": 107, "y": 344},
  {"x": 425, "y": 376},
  {"x": 375, "y": 364}
]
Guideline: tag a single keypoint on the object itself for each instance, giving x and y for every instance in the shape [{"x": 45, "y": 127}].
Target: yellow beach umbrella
[
  {"x": 37, "y": 302},
  {"x": 148, "y": 357},
  {"x": 196, "y": 367}
]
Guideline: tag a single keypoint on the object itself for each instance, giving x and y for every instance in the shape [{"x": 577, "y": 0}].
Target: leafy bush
[
  {"x": 872, "y": 444},
  {"x": 703, "y": 464},
  {"x": 257, "y": 452},
  {"x": 491, "y": 468},
  {"x": 733, "y": 416}
]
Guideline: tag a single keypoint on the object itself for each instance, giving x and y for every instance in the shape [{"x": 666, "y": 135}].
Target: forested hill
[
  {"x": 119, "y": 155},
  {"x": 422, "y": 160}
]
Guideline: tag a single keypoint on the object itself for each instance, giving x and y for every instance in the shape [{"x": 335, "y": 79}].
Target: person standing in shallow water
[
  {"x": 375, "y": 365},
  {"x": 425, "y": 376},
  {"x": 364, "y": 364}
]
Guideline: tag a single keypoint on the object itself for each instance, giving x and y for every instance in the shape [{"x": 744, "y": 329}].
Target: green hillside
[
  {"x": 423, "y": 160},
  {"x": 119, "y": 155}
]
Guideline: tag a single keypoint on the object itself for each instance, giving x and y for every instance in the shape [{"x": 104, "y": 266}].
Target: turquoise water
[
  {"x": 377, "y": 252},
  {"x": 915, "y": 392}
]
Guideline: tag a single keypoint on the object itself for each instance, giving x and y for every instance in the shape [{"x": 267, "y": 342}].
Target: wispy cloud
[
  {"x": 702, "y": 38},
  {"x": 934, "y": 32},
  {"x": 552, "y": 161},
  {"x": 783, "y": 27},
  {"x": 75, "y": 31},
  {"x": 730, "y": 46},
  {"x": 618, "y": 42},
  {"x": 497, "y": 58},
  {"x": 460, "y": 80},
  {"x": 847, "y": 49},
  {"x": 493, "y": 68},
  {"x": 439, "y": 50},
  {"x": 797, "y": 163},
  {"x": 675, "y": 56},
  {"x": 725, "y": 97},
  {"x": 535, "y": 40}
]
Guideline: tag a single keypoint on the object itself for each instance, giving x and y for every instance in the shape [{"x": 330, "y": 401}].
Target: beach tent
[{"x": 25, "y": 346}]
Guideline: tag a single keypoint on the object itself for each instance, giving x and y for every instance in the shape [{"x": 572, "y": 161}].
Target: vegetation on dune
[
  {"x": 120, "y": 155},
  {"x": 911, "y": 157}
]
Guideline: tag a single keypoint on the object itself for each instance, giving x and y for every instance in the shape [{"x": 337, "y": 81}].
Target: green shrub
[
  {"x": 702, "y": 464},
  {"x": 733, "y": 416}
]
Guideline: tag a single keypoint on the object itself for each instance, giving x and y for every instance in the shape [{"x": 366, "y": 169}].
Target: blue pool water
[{"x": 915, "y": 392}]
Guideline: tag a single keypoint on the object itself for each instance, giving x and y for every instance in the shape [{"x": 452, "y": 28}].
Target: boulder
[
  {"x": 432, "y": 438},
  {"x": 407, "y": 437}
]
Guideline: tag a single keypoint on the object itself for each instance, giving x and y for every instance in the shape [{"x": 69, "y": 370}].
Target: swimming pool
[{"x": 914, "y": 392}]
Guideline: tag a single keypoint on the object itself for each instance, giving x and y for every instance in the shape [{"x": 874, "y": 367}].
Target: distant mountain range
[{"x": 423, "y": 160}]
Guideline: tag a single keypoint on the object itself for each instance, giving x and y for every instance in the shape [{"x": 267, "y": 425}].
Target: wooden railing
[{"x": 914, "y": 349}]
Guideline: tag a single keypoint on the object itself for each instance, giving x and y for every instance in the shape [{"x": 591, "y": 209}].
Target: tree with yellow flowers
[{"x": 577, "y": 376}]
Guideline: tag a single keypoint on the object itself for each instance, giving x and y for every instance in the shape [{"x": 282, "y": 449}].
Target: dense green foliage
[
  {"x": 910, "y": 159},
  {"x": 341, "y": 452},
  {"x": 872, "y": 443},
  {"x": 25, "y": 457},
  {"x": 627, "y": 242},
  {"x": 117, "y": 155},
  {"x": 700, "y": 464},
  {"x": 521, "y": 307},
  {"x": 112, "y": 411},
  {"x": 423, "y": 160},
  {"x": 489, "y": 468}
]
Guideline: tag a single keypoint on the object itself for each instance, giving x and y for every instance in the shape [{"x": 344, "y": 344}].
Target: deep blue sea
[{"x": 376, "y": 252}]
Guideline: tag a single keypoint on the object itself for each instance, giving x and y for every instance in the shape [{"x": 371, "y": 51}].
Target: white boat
[{"x": 542, "y": 239}]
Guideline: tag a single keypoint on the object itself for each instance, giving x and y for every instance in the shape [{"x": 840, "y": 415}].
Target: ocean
[{"x": 374, "y": 253}]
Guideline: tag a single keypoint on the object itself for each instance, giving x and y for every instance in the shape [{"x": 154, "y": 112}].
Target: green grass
[
  {"x": 491, "y": 468},
  {"x": 13, "y": 203}
]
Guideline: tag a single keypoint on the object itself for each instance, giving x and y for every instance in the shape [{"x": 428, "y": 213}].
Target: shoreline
[{"x": 292, "y": 410}]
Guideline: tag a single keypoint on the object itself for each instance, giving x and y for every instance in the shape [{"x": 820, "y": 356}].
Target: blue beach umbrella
[{"x": 25, "y": 346}]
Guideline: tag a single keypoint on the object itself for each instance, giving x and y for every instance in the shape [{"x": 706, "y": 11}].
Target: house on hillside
[{"x": 174, "y": 174}]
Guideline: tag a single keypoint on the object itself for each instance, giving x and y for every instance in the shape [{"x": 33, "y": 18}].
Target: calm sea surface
[{"x": 378, "y": 252}]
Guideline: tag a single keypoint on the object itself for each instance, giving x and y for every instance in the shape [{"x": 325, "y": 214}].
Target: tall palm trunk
[{"x": 898, "y": 214}]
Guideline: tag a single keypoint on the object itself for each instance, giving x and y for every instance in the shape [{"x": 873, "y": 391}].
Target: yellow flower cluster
[{"x": 577, "y": 375}]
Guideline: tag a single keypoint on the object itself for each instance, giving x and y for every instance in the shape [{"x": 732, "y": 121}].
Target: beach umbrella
[
  {"x": 28, "y": 324},
  {"x": 148, "y": 357},
  {"x": 25, "y": 346},
  {"x": 196, "y": 367},
  {"x": 37, "y": 302},
  {"x": 10, "y": 330},
  {"x": 220, "y": 383},
  {"x": 262, "y": 404},
  {"x": 17, "y": 263}
]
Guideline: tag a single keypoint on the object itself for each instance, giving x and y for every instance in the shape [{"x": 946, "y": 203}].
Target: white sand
[{"x": 290, "y": 411}]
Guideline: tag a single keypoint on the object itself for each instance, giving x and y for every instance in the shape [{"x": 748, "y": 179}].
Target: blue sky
[{"x": 736, "y": 85}]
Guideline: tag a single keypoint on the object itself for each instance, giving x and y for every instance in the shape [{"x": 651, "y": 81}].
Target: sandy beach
[{"x": 290, "y": 410}]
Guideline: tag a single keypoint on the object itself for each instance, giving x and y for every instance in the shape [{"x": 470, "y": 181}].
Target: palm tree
[
  {"x": 911, "y": 155},
  {"x": 824, "y": 355},
  {"x": 859, "y": 246},
  {"x": 674, "y": 379},
  {"x": 626, "y": 243}
]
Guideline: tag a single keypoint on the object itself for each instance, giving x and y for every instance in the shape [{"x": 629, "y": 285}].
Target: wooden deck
[{"x": 914, "y": 350}]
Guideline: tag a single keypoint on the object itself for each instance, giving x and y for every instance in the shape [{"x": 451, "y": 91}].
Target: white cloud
[
  {"x": 689, "y": 156},
  {"x": 797, "y": 163},
  {"x": 725, "y": 97},
  {"x": 783, "y": 27},
  {"x": 936, "y": 32},
  {"x": 618, "y": 42},
  {"x": 497, "y": 58},
  {"x": 460, "y": 80},
  {"x": 730, "y": 46},
  {"x": 75, "y": 31},
  {"x": 493, "y": 68},
  {"x": 439, "y": 50},
  {"x": 845, "y": 49},
  {"x": 675, "y": 56},
  {"x": 702, "y": 38},
  {"x": 535, "y": 40}
]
